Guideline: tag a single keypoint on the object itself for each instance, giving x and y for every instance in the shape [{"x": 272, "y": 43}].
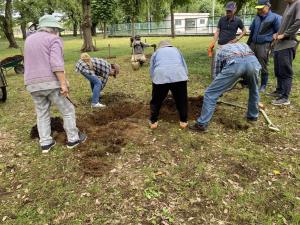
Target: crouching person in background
[
  {"x": 138, "y": 57},
  {"x": 232, "y": 62},
  {"x": 168, "y": 71},
  {"x": 97, "y": 72},
  {"x": 45, "y": 80}
]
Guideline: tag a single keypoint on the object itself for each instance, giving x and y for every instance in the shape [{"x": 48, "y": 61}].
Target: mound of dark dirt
[
  {"x": 105, "y": 140},
  {"x": 109, "y": 130},
  {"x": 169, "y": 112},
  {"x": 233, "y": 124},
  {"x": 113, "y": 113},
  {"x": 56, "y": 126}
]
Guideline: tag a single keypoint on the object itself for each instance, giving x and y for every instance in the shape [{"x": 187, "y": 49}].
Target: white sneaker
[{"x": 98, "y": 105}]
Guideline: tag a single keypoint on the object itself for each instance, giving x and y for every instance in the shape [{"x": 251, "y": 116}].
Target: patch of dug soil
[
  {"x": 114, "y": 113},
  {"x": 233, "y": 124},
  {"x": 168, "y": 110},
  {"x": 116, "y": 97},
  {"x": 109, "y": 130},
  {"x": 243, "y": 171},
  {"x": 56, "y": 126},
  {"x": 105, "y": 140}
]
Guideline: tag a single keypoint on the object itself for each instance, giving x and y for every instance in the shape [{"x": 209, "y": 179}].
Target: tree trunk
[
  {"x": 80, "y": 30},
  {"x": 6, "y": 22},
  {"x": 133, "y": 26},
  {"x": 104, "y": 30},
  {"x": 172, "y": 21},
  {"x": 278, "y": 6},
  {"x": 23, "y": 29},
  {"x": 94, "y": 29},
  {"x": 74, "y": 23},
  {"x": 86, "y": 27},
  {"x": 75, "y": 28}
]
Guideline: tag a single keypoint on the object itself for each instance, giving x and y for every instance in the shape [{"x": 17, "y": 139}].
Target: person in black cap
[
  {"x": 227, "y": 27},
  {"x": 265, "y": 24}
]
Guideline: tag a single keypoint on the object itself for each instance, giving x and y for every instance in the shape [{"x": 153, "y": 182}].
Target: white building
[{"x": 190, "y": 23}]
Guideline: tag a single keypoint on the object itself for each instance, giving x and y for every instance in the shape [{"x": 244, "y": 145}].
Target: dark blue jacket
[{"x": 263, "y": 28}]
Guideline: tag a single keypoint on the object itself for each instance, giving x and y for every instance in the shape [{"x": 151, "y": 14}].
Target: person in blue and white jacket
[
  {"x": 168, "y": 72},
  {"x": 264, "y": 26}
]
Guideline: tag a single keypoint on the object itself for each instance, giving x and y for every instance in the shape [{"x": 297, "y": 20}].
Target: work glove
[{"x": 210, "y": 50}]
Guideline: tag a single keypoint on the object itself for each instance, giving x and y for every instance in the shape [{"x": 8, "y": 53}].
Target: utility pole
[
  {"x": 149, "y": 17},
  {"x": 213, "y": 15}
]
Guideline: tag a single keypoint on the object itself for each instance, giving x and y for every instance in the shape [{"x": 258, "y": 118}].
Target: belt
[{"x": 238, "y": 55}]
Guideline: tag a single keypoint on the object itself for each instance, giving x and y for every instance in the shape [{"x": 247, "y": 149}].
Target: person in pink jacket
[{"x": 46, "y": 81}]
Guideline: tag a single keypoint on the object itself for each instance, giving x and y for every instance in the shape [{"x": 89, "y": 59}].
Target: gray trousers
[
  {"x": 261, "y": 52},
  {"x": 43, "y": 101}
]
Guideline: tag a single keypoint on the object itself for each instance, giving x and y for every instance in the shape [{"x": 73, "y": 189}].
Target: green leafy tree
[
  {"x": 173, "y": 5},
  {"x": 73, "y": 13},
  {"x": 103, "y": 11},
  {"x": 240, "y": 3},
  {"x": 202, "y": 6},
  {"x": 133, "y": 9},
  {"x": 29, "y": 11}
]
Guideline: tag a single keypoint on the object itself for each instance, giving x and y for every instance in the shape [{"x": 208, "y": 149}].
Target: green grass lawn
[{"x": 237, "y": 173}]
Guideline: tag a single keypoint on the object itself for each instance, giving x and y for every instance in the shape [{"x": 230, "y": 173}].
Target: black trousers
[
  {"x": 283, "y": 66},
  {"x": 160, "y": 92}
]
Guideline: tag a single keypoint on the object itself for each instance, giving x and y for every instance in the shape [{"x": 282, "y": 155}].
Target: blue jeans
[
  {"x": 96, "y": 86},
  {"x": 247, "y": 67}
]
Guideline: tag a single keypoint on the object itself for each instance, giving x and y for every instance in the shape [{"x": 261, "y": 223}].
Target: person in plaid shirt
[
  {"x": 232, "y": 62},
  {"x": 97, "y": 72}
]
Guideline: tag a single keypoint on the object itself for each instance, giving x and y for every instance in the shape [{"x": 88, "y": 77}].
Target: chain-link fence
[{"x": 183, "y": 26}]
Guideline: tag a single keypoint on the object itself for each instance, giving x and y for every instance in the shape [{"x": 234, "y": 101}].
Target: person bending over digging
[
  {"x": 168, "y": 71},
  {"x": 138, "y": 57},
  {"x": 233, "y": 61},
  {"x": 46, "y": 81},
  {"x": 97, "y": 72}
]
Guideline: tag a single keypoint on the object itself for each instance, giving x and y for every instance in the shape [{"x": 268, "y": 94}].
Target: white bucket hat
[{"x": 50, "y": 21}]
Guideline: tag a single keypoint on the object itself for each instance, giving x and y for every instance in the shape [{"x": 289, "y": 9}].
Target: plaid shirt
[
  {"x": 226, "y": 53},
  {"x": 101, "y": 69}
]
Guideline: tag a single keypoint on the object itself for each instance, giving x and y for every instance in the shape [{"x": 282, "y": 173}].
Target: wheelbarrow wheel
[
  {"x": 3, "y": 94},
  {"x": 19, "y": 69}
]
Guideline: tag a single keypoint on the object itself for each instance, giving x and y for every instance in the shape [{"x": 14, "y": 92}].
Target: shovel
[
  {"x": 271, "y": 126},
  {"x": 67, "y": 97}
]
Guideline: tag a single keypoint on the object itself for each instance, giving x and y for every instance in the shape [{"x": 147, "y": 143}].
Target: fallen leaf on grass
[{"x": 85, "y": 194}]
